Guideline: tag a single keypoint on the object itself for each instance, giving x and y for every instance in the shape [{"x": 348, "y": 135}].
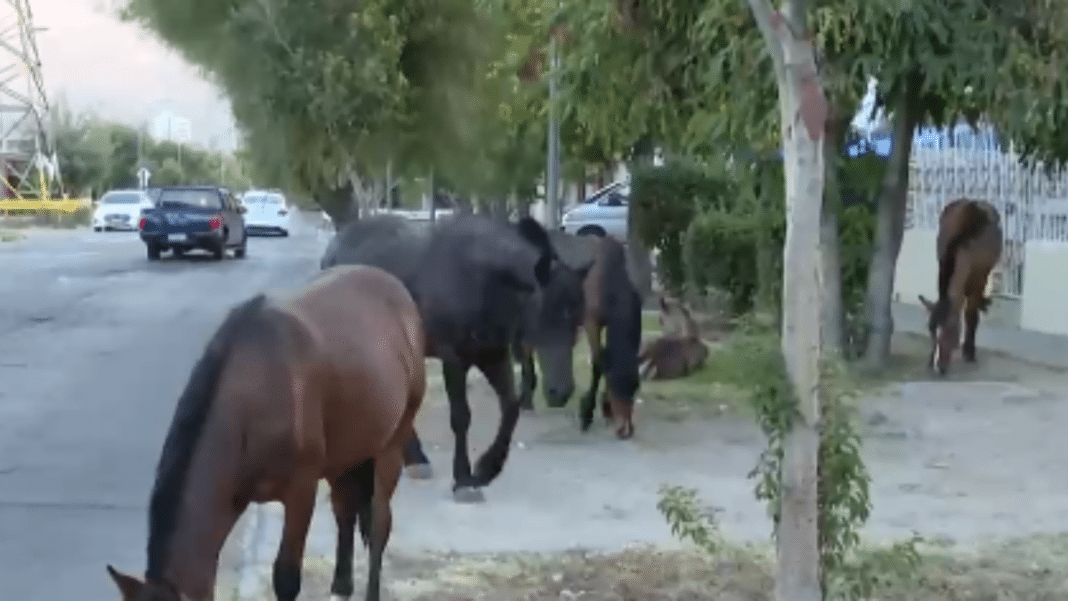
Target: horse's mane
[
  {"x": 243, "y": 321},
  {"x": 623, "y": 322},
  {"x": 973, "y": 220}
]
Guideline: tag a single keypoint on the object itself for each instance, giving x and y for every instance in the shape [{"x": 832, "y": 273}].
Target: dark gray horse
[{"x": 481, "y": 286}]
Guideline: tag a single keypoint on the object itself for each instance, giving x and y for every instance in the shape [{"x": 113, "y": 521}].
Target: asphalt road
[{"x": 95, "y": 346}]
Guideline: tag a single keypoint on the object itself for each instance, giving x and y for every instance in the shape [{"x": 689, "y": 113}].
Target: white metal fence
[{"x": 962, "y": 162}]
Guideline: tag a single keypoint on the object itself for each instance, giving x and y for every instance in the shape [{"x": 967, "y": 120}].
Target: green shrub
[{"x": 667, "y": 198}]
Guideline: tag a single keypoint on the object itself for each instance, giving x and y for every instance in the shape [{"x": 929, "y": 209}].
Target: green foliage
[
  {"x": 666, "y": 199},
  {"x": 325, "y": 88},
  {"x": 723, "y": 228},
  {"x": 679, "y": 507}
]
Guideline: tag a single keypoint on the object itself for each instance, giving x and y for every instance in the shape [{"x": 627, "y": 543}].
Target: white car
[
  {"x": 120, "y": 210},
  {"x": 603, "y": 213},
  {"x": 266, "y": 212}
]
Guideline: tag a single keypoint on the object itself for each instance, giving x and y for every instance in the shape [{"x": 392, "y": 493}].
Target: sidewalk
[{"x": 1034, "y": 347}]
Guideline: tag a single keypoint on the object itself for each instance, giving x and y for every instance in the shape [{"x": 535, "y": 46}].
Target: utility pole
[
  {"x": 552, "y": 169},
  {"x": 433, "y": 205},
  {"x": 28, "y": 159}
]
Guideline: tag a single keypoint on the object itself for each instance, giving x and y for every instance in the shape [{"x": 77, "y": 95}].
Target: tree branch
[{"x": 767, "y": 19}]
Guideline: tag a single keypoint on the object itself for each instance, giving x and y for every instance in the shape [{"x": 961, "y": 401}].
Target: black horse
[
  {"x": 481, "y": 285},
  {"x": 611, "y": 304}
]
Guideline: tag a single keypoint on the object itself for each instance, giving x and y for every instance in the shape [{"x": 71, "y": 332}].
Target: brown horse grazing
[
  {"x": 324, "y": 385},
  {"x": 678, "y": 351},
  {"x": 969, "y": 246},
  {"x": 612, "y": 305}
]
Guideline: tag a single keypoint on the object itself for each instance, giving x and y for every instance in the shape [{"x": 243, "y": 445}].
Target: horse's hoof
[
  {"x": 420, "y": 471},
  {"x": 468, "y": 495},
  {"x": 339, "y": 598},
  {"x": 527, "y": 408}
]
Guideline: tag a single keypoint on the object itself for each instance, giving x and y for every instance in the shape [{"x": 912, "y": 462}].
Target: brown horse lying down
[
  {"x": 678, "y": 351},
  {"x": 324, "y": 385},
  {"x": 969, "y": 246}
]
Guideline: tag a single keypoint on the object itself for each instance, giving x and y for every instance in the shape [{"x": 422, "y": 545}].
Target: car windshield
[
  {"x": 270, "y": 199},
  {"x": 121, "y": 198},
  {"x": 208, "y": 199}
]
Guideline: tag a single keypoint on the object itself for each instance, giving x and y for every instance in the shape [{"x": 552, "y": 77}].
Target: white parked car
[
  {"x": 603, "y": 213},
  {"x": 266, "y": 212},
  {"x": 120, "y": 210}
]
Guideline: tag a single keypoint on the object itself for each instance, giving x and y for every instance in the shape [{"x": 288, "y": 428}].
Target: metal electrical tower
[{"x": 28, "y": 162}]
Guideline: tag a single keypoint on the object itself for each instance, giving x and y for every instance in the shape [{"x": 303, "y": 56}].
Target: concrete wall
[
  {"x": 917, "y": 267},
  {"x": 1044, "y": 302}
]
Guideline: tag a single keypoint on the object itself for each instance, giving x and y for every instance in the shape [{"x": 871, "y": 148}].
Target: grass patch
[
  {"x": 1027, "y": 569},
  {"x": 6, "y": 236}
]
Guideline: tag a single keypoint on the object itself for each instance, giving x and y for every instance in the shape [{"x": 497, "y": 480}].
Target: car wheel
[
  {"x": 284, "y": 233},
  {"x": 241, "y": 251},
  {"x": 97, "y": 229},
  {"x": 218, "y": 251},
  {"x": 153, "y": 251},
  {"x": 178, "y": 252},
  {"x": 591, "y": 230}
]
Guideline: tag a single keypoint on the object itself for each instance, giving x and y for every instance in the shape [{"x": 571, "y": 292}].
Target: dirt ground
[{"x": 973, "y": 463}]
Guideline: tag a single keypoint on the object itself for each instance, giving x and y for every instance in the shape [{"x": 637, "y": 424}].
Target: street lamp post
[{"x": 552, "y": 169}]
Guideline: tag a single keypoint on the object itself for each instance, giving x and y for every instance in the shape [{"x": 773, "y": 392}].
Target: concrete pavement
[{"x": 95, "y": 346}]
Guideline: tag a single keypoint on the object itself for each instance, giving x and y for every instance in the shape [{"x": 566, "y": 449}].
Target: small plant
[
  {"x": 754, "y": 361},
  {"x": 680, "y": 508}
]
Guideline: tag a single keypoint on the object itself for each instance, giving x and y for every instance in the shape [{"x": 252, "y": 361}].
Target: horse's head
[
  {"x": 675, "y": 318},
  {"x": 552, "y": 327},
  {"x": 133, "y": 589},
  {"x": 943, "y": 324},
  {"x": 554, "y": 316}
]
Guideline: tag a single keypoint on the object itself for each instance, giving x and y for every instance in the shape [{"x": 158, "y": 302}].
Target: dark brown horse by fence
[
  {"x": 969, "y": 246},
  {"x": 678, "y": 351},
  {"x": 325, "y": 385},
  {"x": 612, "y": 306}
]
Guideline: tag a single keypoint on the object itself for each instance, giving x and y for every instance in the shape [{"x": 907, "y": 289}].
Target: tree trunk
[
  {"x": 890, "y": 227},
  {"x": 834, "y": 333},
  {"x": 803, "y": 112}
]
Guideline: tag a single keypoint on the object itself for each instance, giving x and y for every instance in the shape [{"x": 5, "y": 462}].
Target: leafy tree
[{"x": 348, "y": 87}]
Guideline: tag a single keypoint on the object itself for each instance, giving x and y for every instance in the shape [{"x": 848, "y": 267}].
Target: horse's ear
[
  {"x": 129, "y": 586},
  {"x": 926, "y": 303},
  {"x": 534, "y": 233}
]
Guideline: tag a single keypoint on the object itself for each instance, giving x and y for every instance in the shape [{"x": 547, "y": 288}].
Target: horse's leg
[
  {"x": 299, "y": 504},
  {"x": 501, "y": 378},
  {"x": 387, "y": 474},
  {"x": 593, "y": 337},
  {"x": 528, "y": 380},
  {"x": 348, "y": 495},
  {"x": 417, "y": 464},
  {"x": 464, "y": 488},
  {"x": 973, "y": 304}
]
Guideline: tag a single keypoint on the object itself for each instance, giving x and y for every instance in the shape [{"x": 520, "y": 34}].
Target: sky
[{"x": 120, "y": 72}]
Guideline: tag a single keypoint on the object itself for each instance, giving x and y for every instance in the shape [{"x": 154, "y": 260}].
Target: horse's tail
[
  {"x": 622, "y": 352},
  {"x": 973, "y": 220}
]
